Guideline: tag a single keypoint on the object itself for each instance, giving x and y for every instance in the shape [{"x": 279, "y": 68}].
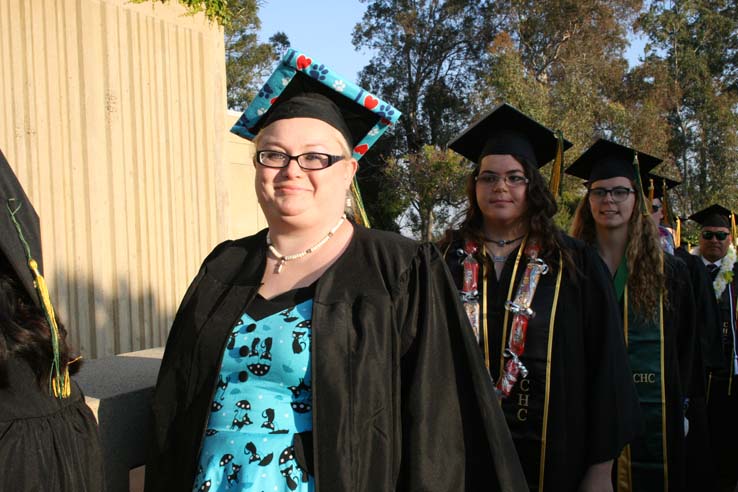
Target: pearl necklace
[{"x": 285, "y": 258}]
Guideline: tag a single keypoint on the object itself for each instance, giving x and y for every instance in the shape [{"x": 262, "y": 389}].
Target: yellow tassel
[
  {"x": 733, "y": 233},
  {"x": 665, "y": 204},
  {"x": 59, "y": 375},
  {"x": 360, "y": 216},
  {"x": 650, "y": 191},
  {"x": 555, "y": 183},
  {"x": 678, "y": 233},
  {"x": 645, "y": 209}
]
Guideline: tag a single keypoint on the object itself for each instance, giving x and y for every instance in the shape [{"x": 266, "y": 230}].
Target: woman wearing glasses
[
  {"x": 544, "y": 314},
  {"x": 657, "y": 305},
  {"x": 317, "y": 354}
]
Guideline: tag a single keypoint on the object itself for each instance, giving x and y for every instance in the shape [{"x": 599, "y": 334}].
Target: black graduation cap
[
  {"x": 14, "y": 199},
  {"x": 505, "y": 130},
  {"x": 661, "y": 184},
  {"x": 606, "y": 159},
  {"x": 713, "y": 216}
]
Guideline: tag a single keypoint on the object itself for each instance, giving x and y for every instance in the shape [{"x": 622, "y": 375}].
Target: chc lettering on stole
[
  {"x": 523, "y": 397},
  {"x": 644, "y": 377}
]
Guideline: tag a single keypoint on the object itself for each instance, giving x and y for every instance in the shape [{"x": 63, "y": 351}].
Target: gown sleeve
[
  {"x": 683, "y": 303},
  {"x": 454, "y": 435},
  {"x": 614, "y": 416}
]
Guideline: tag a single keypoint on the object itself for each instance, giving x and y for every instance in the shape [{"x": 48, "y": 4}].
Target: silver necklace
[
  {"x": 285, "y": 258},
  {"x": 504, "y": 242}
]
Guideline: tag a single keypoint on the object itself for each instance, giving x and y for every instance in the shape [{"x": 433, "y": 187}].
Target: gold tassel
[
  {"x": 645, "y": 209},
  {"x": 360, "y": 216},
  {"x": 665, "y": 204},
  {"x": 555, "y": 183},
  {"x": 59, "y": 382},
  {"x": 678, "y": 233},
  {"x": 733, "y": 232},
  {"x": 650, "y": 191}
]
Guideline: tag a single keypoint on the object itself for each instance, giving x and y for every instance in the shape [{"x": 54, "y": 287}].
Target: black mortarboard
[
  {"x": 505, "y": 130},
  {"x": 661, "y": 184},
  {"x": 13, "y": 198},
  {"x": 712, "y": 216},
  {"x": 303, "y": 87},
  {"x": 606, "y": 159}
]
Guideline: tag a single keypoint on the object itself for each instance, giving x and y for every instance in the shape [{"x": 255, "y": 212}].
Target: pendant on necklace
[{"x": 499, "y": 259}]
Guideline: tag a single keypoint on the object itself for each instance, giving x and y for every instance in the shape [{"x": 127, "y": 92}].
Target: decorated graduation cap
[
  {"x": 301, "y": 86},
  {"x": 20, "y": 241},
  {"x": 506, "y": 130}
]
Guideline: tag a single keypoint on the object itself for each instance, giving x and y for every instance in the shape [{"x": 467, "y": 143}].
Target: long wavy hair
[
  {"x": 643, "y": 254},
  {"x": 25, "y": 333},
  {"x": 540, "y": 209}
]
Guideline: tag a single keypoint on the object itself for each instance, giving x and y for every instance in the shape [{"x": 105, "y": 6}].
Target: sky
[{"x": 322, "y": 29}]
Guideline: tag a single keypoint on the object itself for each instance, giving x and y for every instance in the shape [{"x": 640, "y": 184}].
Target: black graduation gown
[
  {"x": 401, "y": 400},
  {"x": 46, "y": 444},
  {"x": 700, "y": 462},
  {"x": 722, "y": 398},
  {"x": 679, "y": 346},
  {"x": 593, "y": 409}
]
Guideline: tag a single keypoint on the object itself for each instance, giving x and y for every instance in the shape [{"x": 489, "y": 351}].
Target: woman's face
[
  {"x": 296, "y": 195},
  {"x": 607, "y": 211},
  {"x": 500, "y": 190}
]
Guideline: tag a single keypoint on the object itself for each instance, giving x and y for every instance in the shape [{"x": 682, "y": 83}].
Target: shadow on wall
[{"x": 103, "y": 321}]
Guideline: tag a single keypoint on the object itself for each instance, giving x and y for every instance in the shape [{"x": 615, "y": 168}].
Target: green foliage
[
  {"x": 432, "y": 181},
  {"x": 215, "y": 10},
  {"x": 248, "y": 62}
]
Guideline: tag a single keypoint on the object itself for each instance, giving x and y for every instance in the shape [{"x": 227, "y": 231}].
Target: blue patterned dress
[{"x": 263, "y": 398}]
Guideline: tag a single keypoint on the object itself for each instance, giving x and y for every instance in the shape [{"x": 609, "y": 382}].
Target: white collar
[{"x": 708, "y": 262}]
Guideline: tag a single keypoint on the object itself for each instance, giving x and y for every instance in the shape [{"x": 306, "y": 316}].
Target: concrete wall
[{"x": 113, "y": 117}]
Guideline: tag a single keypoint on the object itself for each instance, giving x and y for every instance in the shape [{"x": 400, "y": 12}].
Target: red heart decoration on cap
[
  {"x": 361, "y": 149},
  {"x": 272, "y": 101},
  {"x": 303, "y": 62},
  {"x": 370, "y": 102}
]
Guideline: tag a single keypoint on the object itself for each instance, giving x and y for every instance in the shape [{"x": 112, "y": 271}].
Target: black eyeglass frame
[
  {"x": 601, "y": 193},
  {"x": 332, "y": 159},
  {"x": 708, "y": 235}
]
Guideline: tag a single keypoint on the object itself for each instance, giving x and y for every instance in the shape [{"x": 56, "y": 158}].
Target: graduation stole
[
  {"x": 642, "y": 465},
  {"x": 523, "y": 416}
]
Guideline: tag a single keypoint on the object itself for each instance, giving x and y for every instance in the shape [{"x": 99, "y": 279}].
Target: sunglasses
[
  {"x": 655, "y": 208},
  {"x": 710, "y": 234}
]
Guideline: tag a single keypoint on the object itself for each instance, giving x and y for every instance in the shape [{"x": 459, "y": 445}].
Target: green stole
[{"x": 642, "y": 465}]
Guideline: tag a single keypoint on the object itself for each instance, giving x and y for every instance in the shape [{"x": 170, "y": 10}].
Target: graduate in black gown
[
  {"x": 701, "y": 467},
  {"x": 573, "y": 407},
  {"x": 399, "y": 396},
  {"x": 717, "y": 251},
  {"x": 48, "y": 435},
  {"x": 658, "y": 310}
]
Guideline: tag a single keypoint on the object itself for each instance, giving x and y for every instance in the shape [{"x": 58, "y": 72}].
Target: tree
[
  {"x": 433, "y": 181},
  {"x": 425, "y": 65},
  {"x": 692, "y": 49},
  {"x": 248, "y": 62}
]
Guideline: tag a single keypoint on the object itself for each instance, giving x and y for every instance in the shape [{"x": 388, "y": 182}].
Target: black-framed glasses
[
  {"x": 311, "y": 161},
  {"x": 655, "y": 208},
  {"x": 511, "y": 180},
  {"x": 720, "y": 235},
  {"x": 618, "y": 194}
]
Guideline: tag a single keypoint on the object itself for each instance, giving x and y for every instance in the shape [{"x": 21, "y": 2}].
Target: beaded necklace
[{"x": 285, "y": 258}]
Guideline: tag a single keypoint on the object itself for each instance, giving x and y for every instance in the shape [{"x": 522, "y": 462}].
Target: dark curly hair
[
  {"x": 25, "y": 333},
  {"x": 541, "y": 207}
]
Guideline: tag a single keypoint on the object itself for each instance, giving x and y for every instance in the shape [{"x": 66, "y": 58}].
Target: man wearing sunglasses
[{"x": 719, "y": 255}]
